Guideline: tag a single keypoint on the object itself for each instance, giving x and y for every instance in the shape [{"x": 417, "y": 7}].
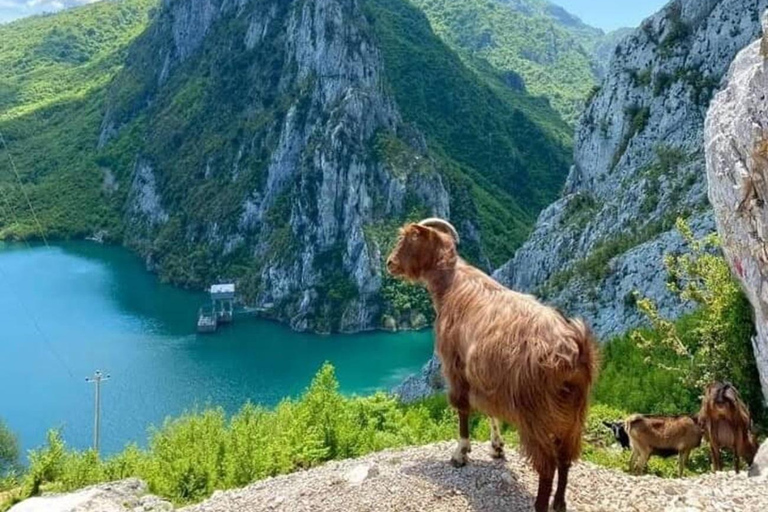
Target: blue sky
[
  {"x": 606, "y": 14},
  {"x": 612, "y": 14}
]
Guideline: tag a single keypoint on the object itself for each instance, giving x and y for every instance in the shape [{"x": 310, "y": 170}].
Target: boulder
[
  {"x": 736, "y": 146},
  {"x": 121, "y": 496},
  {"x": 760, "y": 465}
]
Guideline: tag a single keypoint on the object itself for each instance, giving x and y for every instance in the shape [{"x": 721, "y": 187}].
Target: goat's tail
[
  {"x": 580, "y": 383},
  {"x": 589, "y": 356}
]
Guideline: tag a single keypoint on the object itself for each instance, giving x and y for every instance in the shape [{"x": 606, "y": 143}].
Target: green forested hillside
[
  {"x": 479, "y": 130},
  {"x": 54, "y": 72},
  {"x": 530, "y": 39}
]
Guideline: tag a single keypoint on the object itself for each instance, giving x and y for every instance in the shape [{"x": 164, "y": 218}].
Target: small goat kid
[
  {"x": 727, "y": 424},
  {"x": 504, "y": 354},
  {"x": 664, "y": 436}
]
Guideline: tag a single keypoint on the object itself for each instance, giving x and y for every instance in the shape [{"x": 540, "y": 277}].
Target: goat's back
[
  {"x": 515, "y": 352},
  {"x": 663, "y": 432}
]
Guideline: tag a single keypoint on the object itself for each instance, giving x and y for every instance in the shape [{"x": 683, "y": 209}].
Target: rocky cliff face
[
  {"x": 307, "y": 184},
  {"x": 736, "y": 141},
  {"x": 262, "y": 140},
  {"x": 638, "y": 164}
]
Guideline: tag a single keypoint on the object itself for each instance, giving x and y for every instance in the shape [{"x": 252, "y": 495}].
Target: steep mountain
[
  {"x": 280, "y": 144},
  {"x": 531, "y": 44},
  {"x": 638, "y": 164}
]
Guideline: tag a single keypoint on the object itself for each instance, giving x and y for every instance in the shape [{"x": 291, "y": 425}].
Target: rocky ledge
[{"x": 421, "y": 479}]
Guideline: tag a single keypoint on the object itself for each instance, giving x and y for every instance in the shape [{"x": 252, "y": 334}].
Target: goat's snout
[{"x": 392, "y": 265}]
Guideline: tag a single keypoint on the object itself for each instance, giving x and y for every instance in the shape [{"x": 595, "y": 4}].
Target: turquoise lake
[{"x": 70, "y": 309}]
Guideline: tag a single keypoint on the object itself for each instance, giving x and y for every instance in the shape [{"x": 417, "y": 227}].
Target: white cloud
[{"x": 14, "y": 9}]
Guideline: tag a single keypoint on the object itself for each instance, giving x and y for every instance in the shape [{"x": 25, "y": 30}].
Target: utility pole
[{"x": 97, "y": 378}]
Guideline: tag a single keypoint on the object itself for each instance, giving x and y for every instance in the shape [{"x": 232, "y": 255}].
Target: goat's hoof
[
  {"x": 497, "y": 451},
  {"x": 459, "y": 458},
  {"x": 459, "y": 462},
  {"x": 559, "y": 507}
]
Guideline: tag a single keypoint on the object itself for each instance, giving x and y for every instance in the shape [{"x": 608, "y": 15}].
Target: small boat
[
  {"x": 221, "y": 309},
  {"x": 206, "y": 321}
]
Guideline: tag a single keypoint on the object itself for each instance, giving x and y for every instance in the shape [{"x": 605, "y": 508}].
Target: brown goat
[
  {"x": 727, "y": 424},
  {"x": 503, "y": 354},
  {"x": 663, "y": 436}
]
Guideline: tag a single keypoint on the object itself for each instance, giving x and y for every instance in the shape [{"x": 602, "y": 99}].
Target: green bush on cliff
[
  {"x": 663, "y": 369},
  {"x": 9, "y": 455}
]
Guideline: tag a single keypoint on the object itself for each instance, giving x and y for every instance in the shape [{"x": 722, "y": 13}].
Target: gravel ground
[{"x": 422, "y": 479}]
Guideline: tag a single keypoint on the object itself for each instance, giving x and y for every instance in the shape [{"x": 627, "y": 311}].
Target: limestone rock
[
  {"x": 638, "y": 164},
  {"x": 736, "y": 141},
  {"x": 361, "y": 473},
  {"x": 760, "y": 465},
  {"x": 423, "y": 384}
]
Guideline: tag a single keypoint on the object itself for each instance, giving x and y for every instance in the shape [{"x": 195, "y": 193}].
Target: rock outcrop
[
  {"x": 129, "y": 495},
  {"x": 736, "y": 140},
  {"x": 760, "y": 465},
  {"x": 638, "y": 164}
]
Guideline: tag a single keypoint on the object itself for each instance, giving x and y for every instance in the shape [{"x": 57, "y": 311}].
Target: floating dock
[{"x": 221, "y": 309}]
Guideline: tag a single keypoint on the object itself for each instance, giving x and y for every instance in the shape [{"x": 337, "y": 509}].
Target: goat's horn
[{"x": 441, "y": 225}]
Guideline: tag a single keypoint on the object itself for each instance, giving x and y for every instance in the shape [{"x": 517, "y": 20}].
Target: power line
[
  {"x": 10, "y": 213},
  {"x": 23, "y": 190},
  {"x": 97, "y": 378}
]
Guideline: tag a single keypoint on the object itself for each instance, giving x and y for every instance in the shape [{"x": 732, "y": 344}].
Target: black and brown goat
[
  {"x": 663, "y": 436},
  {"x": 504, "y": 354}
]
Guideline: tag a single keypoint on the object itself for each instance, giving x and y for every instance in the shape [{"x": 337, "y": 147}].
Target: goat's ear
[
  {"x": 417, "y": 231},
  {"x": 607, "y": 424}
]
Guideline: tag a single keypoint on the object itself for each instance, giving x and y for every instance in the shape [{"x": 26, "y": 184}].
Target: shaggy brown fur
[
  {"x": 727, "y": 424},
  {"x": 504, "y": 354},
  {"x": 661, "y": 435}
]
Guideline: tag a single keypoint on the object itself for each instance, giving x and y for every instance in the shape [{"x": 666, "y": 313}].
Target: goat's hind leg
[
  {"x": 567, "y": 450},
  {"x": 714, "y": 450},
  {"x": 497, "y": 442}
]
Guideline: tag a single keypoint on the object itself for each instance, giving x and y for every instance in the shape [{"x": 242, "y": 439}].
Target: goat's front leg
[
  {"x": 459, "y": 398},
  {"x": 546, "y": 479},
  {"x": 683, "y": 460},
  {"x": 497, "y": 442},
  {"x": 633, "y": 461},
  {"x": 459, "y": 457},
  {"x": 642, "y": 461},
  {"x": 736, "y": 460}
]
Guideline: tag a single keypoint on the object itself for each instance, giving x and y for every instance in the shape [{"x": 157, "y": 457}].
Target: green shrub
[
  {"x": 190, "y": 456},
  {"x": 714, "y": 343},
  {"x": 9, "y": 450}
]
